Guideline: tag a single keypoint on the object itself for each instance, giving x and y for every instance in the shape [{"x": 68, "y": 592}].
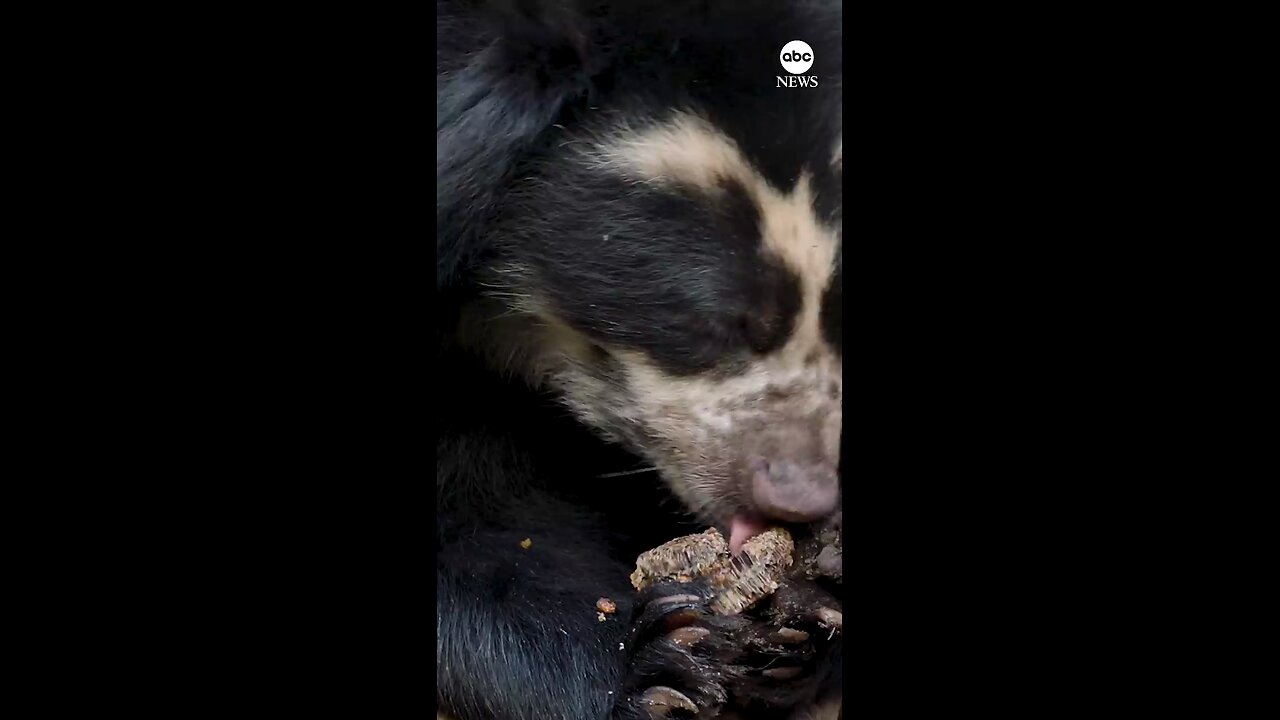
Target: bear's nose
[{"x": 794, "y": 491}]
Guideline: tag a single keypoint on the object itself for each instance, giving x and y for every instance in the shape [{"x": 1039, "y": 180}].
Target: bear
[{"x": 638, "y": 335}]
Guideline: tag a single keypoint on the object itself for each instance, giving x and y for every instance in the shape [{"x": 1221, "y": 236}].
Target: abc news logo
[{"x": 796, "y": 58}]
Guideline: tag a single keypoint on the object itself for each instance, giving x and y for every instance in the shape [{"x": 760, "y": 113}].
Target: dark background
[{"x": 260, "y": 389}]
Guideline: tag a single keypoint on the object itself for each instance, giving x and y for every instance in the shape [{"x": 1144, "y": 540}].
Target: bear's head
[{"x": 653, "y": 219}]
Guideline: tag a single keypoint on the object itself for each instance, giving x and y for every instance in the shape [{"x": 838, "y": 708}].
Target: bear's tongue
[{"x": 742, "y": 528}]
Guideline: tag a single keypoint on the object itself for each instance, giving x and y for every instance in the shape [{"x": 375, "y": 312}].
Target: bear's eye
[
  {"x": 771, "y": 301},
  {"x": 762, "y": 329}
]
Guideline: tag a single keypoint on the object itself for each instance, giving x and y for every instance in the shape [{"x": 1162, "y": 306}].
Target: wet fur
[{"x": 609, "y": 305}]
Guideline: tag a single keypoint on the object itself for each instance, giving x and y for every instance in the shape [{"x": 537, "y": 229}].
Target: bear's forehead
[
  {"x": 689, "y": 154},
  {"x": 662, "y": 233}
]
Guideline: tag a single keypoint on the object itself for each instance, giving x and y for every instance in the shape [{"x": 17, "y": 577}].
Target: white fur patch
[
  {"x": 709, "y": 426},
  {"x": 689, "y": 150},
  {"x": 701, "y": 430}
]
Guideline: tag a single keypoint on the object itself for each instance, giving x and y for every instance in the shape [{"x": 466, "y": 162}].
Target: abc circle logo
[{"x": 796, "y": 57}]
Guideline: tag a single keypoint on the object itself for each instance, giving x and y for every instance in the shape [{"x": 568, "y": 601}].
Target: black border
[{"x": 277, "y": 376}]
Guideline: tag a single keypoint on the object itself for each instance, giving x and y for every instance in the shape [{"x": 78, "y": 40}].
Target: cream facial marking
[
  {"x": 702, "y": 430},
  {"x": 690, "y": 151}
]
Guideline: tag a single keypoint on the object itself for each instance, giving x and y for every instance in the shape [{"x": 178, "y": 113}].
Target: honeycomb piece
[{"x": 738, "y": 582}]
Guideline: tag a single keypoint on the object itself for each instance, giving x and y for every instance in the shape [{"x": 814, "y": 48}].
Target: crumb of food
[
  {"x": 739, "y": 582},
  {"x": 526, "y": 543},
  {"x": 756, "y": 573},
  {"x": 601, "y": 617},
  {"x": 606, "y": 606},
  {"x": 681, "y": 559}
]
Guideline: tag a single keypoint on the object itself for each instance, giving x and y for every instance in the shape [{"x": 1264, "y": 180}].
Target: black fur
[
  {"x": 504, "y": 72},
  {"x": 518, "y": 634},
  {"x": 682, "y": 280},
  {"x": 620, "y": 282}
]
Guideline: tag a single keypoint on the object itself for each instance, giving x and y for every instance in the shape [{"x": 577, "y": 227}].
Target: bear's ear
[{"x": 504, "y": 71}]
